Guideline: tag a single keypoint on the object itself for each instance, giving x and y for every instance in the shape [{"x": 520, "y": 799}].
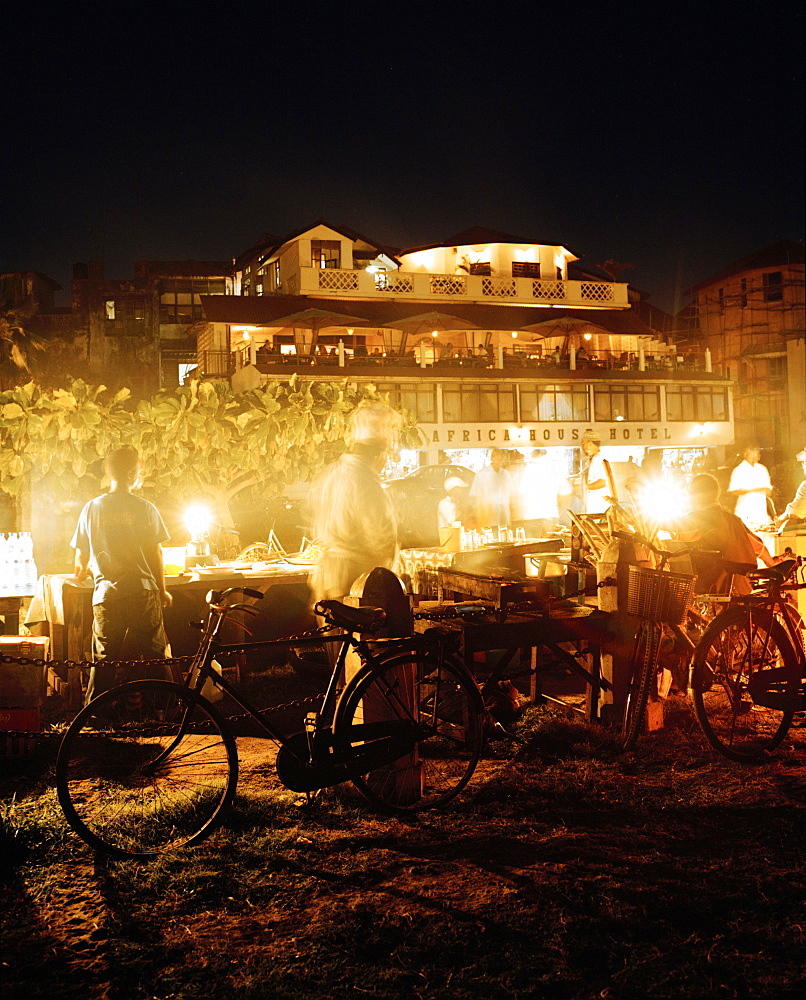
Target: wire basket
[{"x": 656, "y": 594}]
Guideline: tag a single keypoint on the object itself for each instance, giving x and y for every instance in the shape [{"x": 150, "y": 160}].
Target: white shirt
[
  {"x": 797, "y": 505},
  {"x": 492, "y": 492},
  {"x": 751, "y": 507},
  {"x": 595, "y": 502},
  {"x": 536, "y": 487},
  {"x": 447, "y": 513}
]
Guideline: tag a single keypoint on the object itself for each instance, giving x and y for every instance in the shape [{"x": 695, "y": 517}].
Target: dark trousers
[{"x": 140, "y": 619}]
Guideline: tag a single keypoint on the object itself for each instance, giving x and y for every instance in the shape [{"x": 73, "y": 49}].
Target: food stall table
[
  {"x": 418, "y": 568},
  {"x": 583, "y": 628},
  {"x": 62, "y": 608}
]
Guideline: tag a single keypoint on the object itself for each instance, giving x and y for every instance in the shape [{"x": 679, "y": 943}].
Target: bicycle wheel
[
  {"x": 643, "y": 670},
  {"x": 435, "y": 711},
  {"x": 741, "y": 678},
  {"x": 144, "y": 768}
]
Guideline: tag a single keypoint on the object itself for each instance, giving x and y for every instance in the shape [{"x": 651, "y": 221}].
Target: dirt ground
[{"x": 567, "y": 869}]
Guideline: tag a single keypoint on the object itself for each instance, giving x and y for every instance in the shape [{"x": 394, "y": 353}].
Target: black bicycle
[
  {"x": 151, "y": 765},
  {"x": 748, "y": 672}
]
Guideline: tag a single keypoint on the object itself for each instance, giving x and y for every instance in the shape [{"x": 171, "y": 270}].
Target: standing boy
[{"x": 117, "y": 540}]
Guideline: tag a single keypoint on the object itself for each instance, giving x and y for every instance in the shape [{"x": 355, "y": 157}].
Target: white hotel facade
[{"x": 489, "y": 339}]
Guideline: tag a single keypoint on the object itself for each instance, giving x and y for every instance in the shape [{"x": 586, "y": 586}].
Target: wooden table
[
  {"x": 582, "y": 628},
  {"x": 62, "y": 609},
  {"x": 418, "y": 567},
  {"x": 500, "y": 590}
]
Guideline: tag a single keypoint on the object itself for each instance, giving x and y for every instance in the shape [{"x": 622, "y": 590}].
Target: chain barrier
[{"x": 27, "y": 739}]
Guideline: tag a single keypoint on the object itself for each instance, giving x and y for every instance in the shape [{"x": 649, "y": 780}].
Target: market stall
[{"x": 62, "y": 607}]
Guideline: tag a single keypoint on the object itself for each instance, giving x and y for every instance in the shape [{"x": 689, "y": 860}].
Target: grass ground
[{"x": 568, "y": 869}]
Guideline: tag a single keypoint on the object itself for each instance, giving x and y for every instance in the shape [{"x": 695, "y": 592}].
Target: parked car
[
  {"x": 416, "y": 497},
  {"x": 287, "y": 515}
]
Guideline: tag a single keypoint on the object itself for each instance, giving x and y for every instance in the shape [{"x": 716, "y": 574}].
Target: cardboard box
[
  {"x": 22, "y": 685},
  {"x": 20, "y": 720}
]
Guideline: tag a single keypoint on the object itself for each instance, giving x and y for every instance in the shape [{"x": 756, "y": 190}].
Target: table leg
[
  {"x": 594, "y": 688},
  {"x": 535, "y": 682}
]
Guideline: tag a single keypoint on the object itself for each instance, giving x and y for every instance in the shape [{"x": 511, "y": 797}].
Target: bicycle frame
[{"x": 210, "y": 648}]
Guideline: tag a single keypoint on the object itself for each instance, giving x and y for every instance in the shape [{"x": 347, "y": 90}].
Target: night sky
[{"x": 668, "y": 137}]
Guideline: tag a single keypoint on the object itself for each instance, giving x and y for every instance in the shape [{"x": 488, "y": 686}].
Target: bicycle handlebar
[
  {"x": 217, "y": 596},
  {"x": 665, "y": 554}
]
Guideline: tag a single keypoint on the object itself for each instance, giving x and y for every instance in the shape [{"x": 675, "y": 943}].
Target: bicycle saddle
[
  {"x": 353, "y": 619},
  {"x": 772, "y": 574}
]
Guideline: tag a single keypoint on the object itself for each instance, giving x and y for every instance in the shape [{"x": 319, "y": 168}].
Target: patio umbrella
[
  {"x": 316, "y": 320},
  {"x": 567, "y": 327},
  {"x": 427, "y": 322}
]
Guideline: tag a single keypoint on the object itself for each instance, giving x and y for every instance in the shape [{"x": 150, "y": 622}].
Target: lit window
[
  {"x": 628, "y": 402},
  {"x": 110, "y": 308},
  {"x": 525, "y": 269},
  {"x": 473, "y": 402},
  {"x": 700, "y": 403},
  {"x": 418, "y": 397},
  {"x": 554, "y": 402},
  {"x": 325, "y": 253}
]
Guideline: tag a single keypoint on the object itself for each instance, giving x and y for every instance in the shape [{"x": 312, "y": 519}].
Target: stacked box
[{"x": 22, "y": 685}]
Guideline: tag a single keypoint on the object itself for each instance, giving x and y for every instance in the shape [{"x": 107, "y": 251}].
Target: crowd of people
[{"x": 118, "y": 538}]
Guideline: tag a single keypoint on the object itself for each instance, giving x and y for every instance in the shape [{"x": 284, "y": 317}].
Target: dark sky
[{"x": 668, "y": 137}]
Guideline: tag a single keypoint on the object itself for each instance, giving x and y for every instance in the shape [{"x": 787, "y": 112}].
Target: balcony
[{"x": 417, "y": 286}]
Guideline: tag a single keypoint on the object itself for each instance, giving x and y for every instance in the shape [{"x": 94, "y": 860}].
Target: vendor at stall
[
  {"x": 452, "y": 508},
  {"x": 491, "y": 493},
  {"x": 795, "y": 510},
  {"x": 354, "y": 522},
  {"x": 117, "y": 541},
  {"x": 594, "y": 478},
  {"x": 718, "y": 531},
  {"x": 750, "y": 487}
]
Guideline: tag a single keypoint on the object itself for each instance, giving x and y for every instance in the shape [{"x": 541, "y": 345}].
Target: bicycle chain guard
[{"x": 389, "y": 742}]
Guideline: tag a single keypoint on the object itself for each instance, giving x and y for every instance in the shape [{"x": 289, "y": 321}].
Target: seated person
[
  {"x": 796, "y": 509},
  {"x": 717, "y": 530}
]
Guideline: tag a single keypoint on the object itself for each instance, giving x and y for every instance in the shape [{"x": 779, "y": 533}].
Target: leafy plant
[{"x": 201, "y": 438}]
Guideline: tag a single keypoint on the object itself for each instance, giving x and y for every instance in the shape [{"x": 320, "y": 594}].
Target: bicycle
[
  {"x": 665, "y": 602},
  {"x": 748, "y": 671},
  {"x": 152, "y": 765}
]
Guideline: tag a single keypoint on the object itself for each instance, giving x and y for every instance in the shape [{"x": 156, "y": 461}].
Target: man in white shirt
[
  {"x": 750, "y": 486},
  {"x": 354, "y": 521},
  {"x": 491, "y": 493},
  {"x": 796, "y": 509},
  {"x": 537, "y": 489},
  {"x": 594, "y": 477}
]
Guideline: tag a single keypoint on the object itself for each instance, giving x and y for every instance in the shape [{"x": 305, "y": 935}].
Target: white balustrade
[{"x": 426, "y": 287}]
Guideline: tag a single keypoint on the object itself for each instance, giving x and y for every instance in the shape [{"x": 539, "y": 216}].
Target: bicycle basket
[{"x": 656, "y": 594}]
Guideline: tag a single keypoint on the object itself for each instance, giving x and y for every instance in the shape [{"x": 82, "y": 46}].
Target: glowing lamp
[
  {"x": 662, "y": 500},
  {"x": 198, "y": 520}
]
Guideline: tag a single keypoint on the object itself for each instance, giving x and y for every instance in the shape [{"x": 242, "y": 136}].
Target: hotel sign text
[{"x": 683, "y": 435}]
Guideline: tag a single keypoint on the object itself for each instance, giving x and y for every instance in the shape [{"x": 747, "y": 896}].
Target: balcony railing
[
  {"x": 462, "y": 362},
  {"x": 421, "y": 286}
]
